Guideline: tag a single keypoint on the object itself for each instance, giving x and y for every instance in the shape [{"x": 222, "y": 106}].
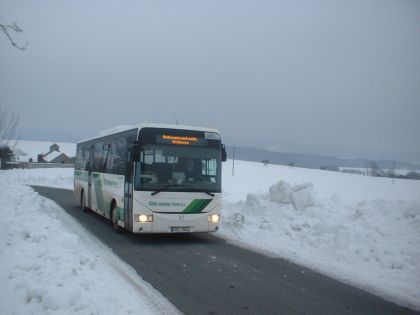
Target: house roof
[{"x": 52, "y": 155}]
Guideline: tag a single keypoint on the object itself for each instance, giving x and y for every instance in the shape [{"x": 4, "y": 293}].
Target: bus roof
[{"x": 122, "y": 128}]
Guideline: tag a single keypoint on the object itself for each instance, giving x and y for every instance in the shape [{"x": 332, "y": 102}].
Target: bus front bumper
[{"x": 179, "y": 223}]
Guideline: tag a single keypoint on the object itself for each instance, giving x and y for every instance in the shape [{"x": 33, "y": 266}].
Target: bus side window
[
  {"x": 97, "y": 158},
  {"x": 119, "y": 156},
  {"x": 107, "y": 157},
  {"x": 78, "y": 157},
  {"x": 83, "y": 158}
]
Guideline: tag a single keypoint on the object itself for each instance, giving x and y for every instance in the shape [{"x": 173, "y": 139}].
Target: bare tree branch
[
  {"x": 5, "y": 28},
  {"x": 8, "y": 126}
]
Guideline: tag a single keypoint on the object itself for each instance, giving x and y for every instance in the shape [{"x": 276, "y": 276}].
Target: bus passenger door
[
  {"x": 89, "y": 195},
  {"x": 128, "y": 195}
]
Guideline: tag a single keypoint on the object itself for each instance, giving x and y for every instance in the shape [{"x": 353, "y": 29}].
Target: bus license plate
[{"x": 180, "y": 229}]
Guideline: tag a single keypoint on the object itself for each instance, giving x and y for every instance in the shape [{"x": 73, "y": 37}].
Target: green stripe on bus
[
  {"x": 81, "y": 175},
  {"x": 99, "y": 192},
  {"x": 197, "y": 205}
]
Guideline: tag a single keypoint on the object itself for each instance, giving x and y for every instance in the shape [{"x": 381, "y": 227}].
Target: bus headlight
[
  {"x": 142, "y": 218},
  {"x": 214, "y": 218}
]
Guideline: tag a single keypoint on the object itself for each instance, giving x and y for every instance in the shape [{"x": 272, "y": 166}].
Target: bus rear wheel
[{"x": 114, "y": 218}]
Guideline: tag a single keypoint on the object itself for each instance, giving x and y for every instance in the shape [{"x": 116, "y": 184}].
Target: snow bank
[
  {"x": 362, "y": 230},
  {"x": 52, "y": 265}
]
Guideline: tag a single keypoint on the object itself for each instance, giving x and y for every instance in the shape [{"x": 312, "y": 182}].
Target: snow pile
[
  {"x": 299, "y": 196},
  {"x": 51, "y": 177},
  {"x": 362, "y": 230},
  {"x": 52, "y": 265}
]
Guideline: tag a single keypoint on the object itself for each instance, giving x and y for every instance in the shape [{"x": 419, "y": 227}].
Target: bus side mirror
[
  {"x": 224, "y": 154},
  {"x": 135, "y": 151}
]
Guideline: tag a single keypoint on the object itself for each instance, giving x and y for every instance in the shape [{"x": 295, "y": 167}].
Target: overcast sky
[{"x": 296, "y": 75}]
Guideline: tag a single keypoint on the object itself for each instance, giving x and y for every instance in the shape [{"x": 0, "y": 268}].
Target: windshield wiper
[
  {"x": 164, "y": 188},
  {"x": 201, "y": 190}
]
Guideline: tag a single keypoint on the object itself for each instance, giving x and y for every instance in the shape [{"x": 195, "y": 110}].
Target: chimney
[{"x": 54, "y": 147}]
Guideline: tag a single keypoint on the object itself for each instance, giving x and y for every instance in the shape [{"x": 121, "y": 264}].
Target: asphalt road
[{"x": 202, "y": 274}]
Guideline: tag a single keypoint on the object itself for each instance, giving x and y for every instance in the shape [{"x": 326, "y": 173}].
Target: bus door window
[
  {"x": 209, "y": 170},
  {"x": 145, "y": 169}
]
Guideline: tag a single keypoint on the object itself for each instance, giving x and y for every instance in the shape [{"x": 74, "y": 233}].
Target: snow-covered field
[
  {"x": 361, "y": 230},
  {"x": 52, "y": 265},
  {"x": 364, "y": 171}
]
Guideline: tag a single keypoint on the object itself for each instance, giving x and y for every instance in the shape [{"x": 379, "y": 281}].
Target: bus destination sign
[{"x": 180, "y": 140}]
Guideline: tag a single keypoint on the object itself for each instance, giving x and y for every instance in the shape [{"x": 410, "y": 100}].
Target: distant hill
[
  {"x": 26, "y": 149},
  {"x": 311, "y": 160}
]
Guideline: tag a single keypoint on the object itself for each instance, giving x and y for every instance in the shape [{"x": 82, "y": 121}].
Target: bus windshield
[{"x": 180, "y": 168}]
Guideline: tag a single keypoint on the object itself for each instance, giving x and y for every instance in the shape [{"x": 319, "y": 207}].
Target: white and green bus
[{"x": 153, "y": 178}]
